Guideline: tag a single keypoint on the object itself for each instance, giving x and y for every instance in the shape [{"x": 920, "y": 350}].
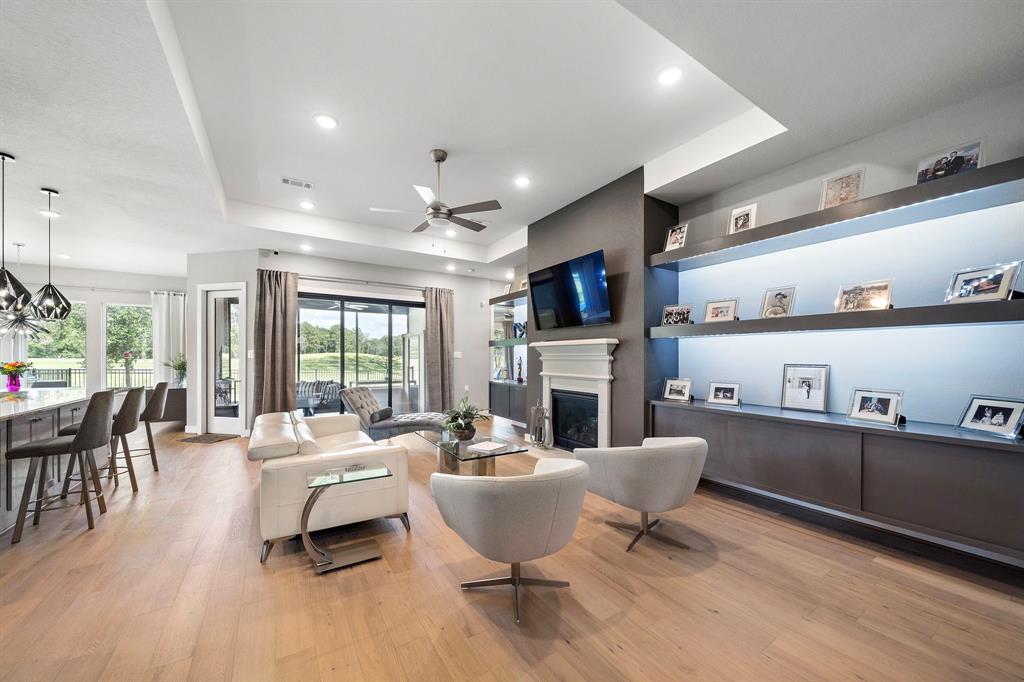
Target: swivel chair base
[
  {"x": 645, "y": 529},
  {"x": 515, "y": 580}
]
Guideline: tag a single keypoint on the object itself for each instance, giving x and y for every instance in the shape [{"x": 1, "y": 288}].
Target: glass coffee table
[
  {"x": 451, "y": 452},
  {"x": 352, "y": 552}
]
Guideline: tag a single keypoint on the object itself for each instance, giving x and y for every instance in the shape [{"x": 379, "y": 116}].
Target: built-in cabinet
[
  {"x": 508, "y": 356},
  {"x": 508, "y": 399}
]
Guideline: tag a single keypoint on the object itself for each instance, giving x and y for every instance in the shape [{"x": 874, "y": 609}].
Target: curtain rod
[{"x": 367, "y": 282}]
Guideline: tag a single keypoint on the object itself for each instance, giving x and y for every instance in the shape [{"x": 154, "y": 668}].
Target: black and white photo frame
[
  {"x": 675, "y": 237},
  {"x": 680, "y": 390},
  {"x": 674, "y": 315},
  {"x": 805, "y": 387},
  {"x": 876, "y": 405},
  {"x": 1001, "y": 417},
  {"x": 778, "y": 302},
  {"x": 723, "y": 393},
  {"x": 842, "y": 189},
  {"x": 743, "y": 218}
]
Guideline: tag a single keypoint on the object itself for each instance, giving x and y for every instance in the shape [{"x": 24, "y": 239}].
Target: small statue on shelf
[{"x": 519, "y": 370}]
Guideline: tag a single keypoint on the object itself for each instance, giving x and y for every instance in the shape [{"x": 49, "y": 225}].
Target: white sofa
[{"x": 289, "y": 447}]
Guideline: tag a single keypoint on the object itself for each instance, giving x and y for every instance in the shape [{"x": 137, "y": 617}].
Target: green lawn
[{"x": 77, "y": 363}]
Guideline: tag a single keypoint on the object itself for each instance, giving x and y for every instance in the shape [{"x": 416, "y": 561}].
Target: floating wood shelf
[
  {"x": 995, "y": 185},
  {"x": 993, "y": 312},
  {"x": 511, "y": 296},
  {"x": 507, "y": 343}
]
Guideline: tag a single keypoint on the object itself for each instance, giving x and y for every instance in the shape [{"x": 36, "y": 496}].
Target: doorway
[
  {"x": 223, "y": 362},
  {"x": 347, "y": 341}
]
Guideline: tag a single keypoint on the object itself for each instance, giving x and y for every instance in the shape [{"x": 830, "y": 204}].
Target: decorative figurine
[{"x": 519, "y": 370}]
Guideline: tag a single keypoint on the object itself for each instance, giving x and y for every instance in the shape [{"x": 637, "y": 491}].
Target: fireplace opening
[{"x": 573, "y": 419}]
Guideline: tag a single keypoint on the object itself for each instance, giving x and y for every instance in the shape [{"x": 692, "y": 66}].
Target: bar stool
[
  {"x": 94, "y": 432},
  {"x": 125, "y": 421},
  {"x": 154, "y": 412}
]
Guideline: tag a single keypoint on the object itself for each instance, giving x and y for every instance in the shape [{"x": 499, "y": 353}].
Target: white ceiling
[{"x": 834, "y": 72}]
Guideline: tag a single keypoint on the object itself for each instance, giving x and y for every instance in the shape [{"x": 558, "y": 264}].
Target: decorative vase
[
  {"x": 463, "y": 434},
  {"x": 13, "y": 383},
  {"x": 179, "y": 379}
]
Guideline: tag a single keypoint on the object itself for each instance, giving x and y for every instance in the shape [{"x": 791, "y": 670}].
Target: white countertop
[{"x": 37, "y": 400}]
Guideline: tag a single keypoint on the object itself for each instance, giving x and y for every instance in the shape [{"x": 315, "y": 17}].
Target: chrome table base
[
  {"x": 645, "y": 529},
  {"x": 515, "y": 580}
]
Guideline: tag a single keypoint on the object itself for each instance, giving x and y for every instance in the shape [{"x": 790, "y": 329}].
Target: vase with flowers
[
  {"x": 13, "y": 372},
  {"x": 179, "y": 365}
]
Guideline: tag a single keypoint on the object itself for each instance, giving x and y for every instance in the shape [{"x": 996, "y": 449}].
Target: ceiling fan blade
[
  {"x": 394, "y": 210},
  {"x": 422, "y": 226},
  {"x": 426, "y": 194},
  {"x": 491, "y": 205},
  {"x": 471, "y": 224}
]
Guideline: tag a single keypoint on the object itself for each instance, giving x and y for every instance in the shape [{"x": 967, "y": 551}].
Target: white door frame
[{"x": 243, "y": 352}]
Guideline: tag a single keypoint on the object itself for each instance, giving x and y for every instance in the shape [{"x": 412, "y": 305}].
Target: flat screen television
[{"x": 571, "y": 294}]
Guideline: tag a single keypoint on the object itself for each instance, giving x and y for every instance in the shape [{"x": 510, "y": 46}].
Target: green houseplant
[
  {"x": 180, "y": 367},
  {"x": 460, "y": 422}
]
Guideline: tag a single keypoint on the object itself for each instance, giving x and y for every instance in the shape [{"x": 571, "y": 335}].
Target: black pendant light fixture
[
  {"x": 14, "y": 297},
  {"x": 49, "y": 303}
]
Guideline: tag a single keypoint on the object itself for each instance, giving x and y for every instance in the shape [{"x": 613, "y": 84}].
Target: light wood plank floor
[{"x": 169, "y": 587}]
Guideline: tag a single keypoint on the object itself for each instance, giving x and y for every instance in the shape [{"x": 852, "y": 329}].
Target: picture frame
[
  {"x": 743, "y": 218},
  {"x": 723, "y": 393},
  {"x": 523, "y": 283},
  {"x": 842, "y": 189},
  {"x": 952, "y": 160},
  {"x": 723, "y": 310},
  {"x": 875, "y": 405},
  {"x": 876, "y": 295},
  {"x": 678, "y": 389},
  {"x": 675, "y": 237},
  {"x": 989, "y": 283},
  {"x": 805, "y": 387},
  {"x": 983, "y": 412},
  {"x": 508, "y": 288},
  {"x": 676, "y": 315},
  {"x": 778, "y": 302}
]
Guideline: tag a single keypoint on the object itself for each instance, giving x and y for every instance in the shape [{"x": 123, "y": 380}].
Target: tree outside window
[
  {"x": 60, "y": 355},
  {"x": 129, "y": 346}
]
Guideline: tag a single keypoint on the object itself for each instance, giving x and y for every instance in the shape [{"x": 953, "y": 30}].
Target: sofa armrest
[{"x": 329, "y": 424}]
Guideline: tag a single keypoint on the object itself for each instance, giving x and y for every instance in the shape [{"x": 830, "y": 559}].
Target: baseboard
[{"x": 191, "y": 428}]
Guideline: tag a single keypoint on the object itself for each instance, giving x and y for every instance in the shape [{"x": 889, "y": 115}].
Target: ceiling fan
[{"x": 438, "y": 213}]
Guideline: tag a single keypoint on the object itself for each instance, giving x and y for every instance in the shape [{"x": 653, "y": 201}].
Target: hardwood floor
[{"x": 168, "y": 586}]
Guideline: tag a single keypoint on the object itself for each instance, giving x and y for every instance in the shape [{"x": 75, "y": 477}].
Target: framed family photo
[
  {"x": 678, "y": 389},
  {"x": 778, "y": 302},
  {"x": 873, "y": 405},
  {"x": 842, "y": 189},
  {"x": 743, "y": 218},
  {"x": 721, "y": 311},
  {"x": 992, "y": 283},
  {"x": 868, "y": 296},
  {"x": 805, "y": 387},
  {"x": 997, "y": 416},
  {"x": 672, "y": 315},
  {"x": 950, "y": 161},
  {"x": 723, "y": 393},
  {"x": 675, "y": 238}
]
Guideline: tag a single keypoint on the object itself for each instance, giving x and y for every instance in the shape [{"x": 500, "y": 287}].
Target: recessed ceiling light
[
  {"x": 305, "y": 247},
  {"x": 450, "y": 232},
  {"x": 326, "y": 122},
  {"x": 471, "y": 270},
  {"x": 450, "y": 267},
  {"x": 510, "y": 274},
  {"x": 522, "y": 181},
  {"x": 670, "y": 75},
  {"x": 63, "y": 255},
  {"x": 48, "y": 214},
  {"x": 307, "y": 205}
]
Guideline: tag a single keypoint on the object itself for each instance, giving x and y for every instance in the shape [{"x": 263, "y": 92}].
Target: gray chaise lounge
[{"x": 380, "y": 423}]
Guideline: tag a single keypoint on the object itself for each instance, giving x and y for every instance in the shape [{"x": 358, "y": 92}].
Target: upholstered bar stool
[
  {"x": 94, "y": 432},
  {"x": 126, "y": 421}
]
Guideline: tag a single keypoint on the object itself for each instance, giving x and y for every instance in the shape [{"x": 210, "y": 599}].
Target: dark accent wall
[{"x": 621, "y": 220}]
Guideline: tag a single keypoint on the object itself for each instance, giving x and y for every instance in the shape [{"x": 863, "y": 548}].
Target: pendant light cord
[
  {"x": 49, "y": 237},
  {"x": 3, "y": 212}
]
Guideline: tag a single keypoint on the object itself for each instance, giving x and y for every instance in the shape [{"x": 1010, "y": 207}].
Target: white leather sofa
[{"x": 289, "y": 447}]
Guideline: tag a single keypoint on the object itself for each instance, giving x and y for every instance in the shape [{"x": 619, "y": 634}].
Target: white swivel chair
[
  {"x": 659, "y": 475},
  {"x": 512, "y": 519}
]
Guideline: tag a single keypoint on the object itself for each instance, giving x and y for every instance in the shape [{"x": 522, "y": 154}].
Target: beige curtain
[
  {"x": 440, "y": 348},
  {"x": 277, "y": 302}
]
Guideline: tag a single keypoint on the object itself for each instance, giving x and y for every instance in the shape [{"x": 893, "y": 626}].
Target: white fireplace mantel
[{"x": 583, "y": 365}]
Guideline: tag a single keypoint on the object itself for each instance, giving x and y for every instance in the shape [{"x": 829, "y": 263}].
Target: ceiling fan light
[{"x": 437, "y": 221}]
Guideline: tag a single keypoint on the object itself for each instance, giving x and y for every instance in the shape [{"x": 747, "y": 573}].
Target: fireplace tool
[{"x": 539, "y": 425}]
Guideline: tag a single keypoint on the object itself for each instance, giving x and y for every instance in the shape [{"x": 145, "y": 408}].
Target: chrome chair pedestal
[
  {"x": 515, "y": 580},
  {"x": 645, "y": 529}
]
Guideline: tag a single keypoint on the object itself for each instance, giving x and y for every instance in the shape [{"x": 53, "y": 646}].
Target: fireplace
[{"x": 574, "y": 419}]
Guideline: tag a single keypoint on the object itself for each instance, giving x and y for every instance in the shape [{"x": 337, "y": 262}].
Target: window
[
  {"x": 129, "y": 350},
  {"x": 60, "y": 355}
]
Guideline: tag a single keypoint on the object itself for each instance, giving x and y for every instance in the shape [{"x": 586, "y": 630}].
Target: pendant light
[
  {"x": 14, "y": 297},
  {"x": 49, "y": 303},
  {"x": 21, "y": 322}
]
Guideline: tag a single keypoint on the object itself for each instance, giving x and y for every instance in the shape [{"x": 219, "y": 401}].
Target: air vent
[{"x": 295, "y": 182}]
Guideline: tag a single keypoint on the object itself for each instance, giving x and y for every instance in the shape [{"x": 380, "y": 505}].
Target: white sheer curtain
[{"x": 168, "y": 331}]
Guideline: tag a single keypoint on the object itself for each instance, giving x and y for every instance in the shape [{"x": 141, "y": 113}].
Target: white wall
[
  {"x": 472, "y": 325},
  {"x": 95, "y": 288},
  {"x": 938, "y": 368}
]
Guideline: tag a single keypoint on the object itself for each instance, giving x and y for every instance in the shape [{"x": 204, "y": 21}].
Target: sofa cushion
[
  {"x": 273, "y": 435},
  {"x": 346, "y": 440},
  {"x": 381, "y": 414},
  {"x": 308, "y": 444}
]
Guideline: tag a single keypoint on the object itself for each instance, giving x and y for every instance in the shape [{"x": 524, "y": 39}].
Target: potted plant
[
  {"x": 180, "y": 367},
  {"x": 460, "y": 421},
  {"x": 13, "y": 372}
]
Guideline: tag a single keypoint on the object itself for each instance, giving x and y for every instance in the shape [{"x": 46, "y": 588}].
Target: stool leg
[
  {"x": 85, "y": 491},
  {"x": 40, "y": 489},
  {"x": 26, "y": 495},
  {"x": 127, "y": 462},
  {"x": 112, "y": 462},
  {"x": 152, "y": 447},
  {"x": 67, "y": 477},
  {"x": 100, "y": 500}
]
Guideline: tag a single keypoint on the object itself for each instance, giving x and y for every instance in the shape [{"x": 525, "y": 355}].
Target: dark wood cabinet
[{"x": 508, "y": 399}]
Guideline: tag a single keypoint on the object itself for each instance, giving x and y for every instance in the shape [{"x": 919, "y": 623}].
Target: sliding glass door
[{"x": 344, "y": 341}]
